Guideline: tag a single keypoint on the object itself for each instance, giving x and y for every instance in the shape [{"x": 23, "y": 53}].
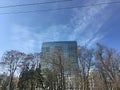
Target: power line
[
  {"x": 31, "y": 4},
  {"x": 64, "y": 8}
]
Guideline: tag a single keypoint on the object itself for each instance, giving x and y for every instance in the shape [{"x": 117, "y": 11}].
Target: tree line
[{"x": 98, "y": 69}]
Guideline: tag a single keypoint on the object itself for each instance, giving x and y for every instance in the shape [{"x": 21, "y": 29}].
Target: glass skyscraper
[{"x": 66, "y": 49}]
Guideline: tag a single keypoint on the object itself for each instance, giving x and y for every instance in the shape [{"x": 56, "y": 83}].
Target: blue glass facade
[{"x": 68, "y": 50}]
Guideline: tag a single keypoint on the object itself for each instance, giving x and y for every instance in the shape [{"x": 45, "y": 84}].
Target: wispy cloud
[
  {"x": 27, "y": 40},
  {"x": 85, "y": 27},
  {"x": 88, "y": 22},
  {"x": 22, "y": 38}
]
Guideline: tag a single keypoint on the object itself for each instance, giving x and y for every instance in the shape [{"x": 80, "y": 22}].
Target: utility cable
[
  {"x": 31, "y": 4},
  {"x": 64, "y": 8}
]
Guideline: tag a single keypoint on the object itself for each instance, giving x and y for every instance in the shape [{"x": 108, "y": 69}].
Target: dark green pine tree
[
  {"x": 30, "y": 79},
  {"x": 23, "y": 79},
  {"x": 39, "y": 77}
]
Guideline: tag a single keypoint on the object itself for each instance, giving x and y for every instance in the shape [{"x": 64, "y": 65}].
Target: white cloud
[
  {"x": 53, "y": 33},
  {"x": 86, "y": 24},
  {"x": 27, "y": 40},
  {"x": 88, "y": 21},
  {"x": 22, "y": 39}
]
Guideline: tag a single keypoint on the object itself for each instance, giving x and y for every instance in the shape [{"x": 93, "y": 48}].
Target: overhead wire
[
  {"x": 64, "y": 8},
  {"x": 31, "y": 4}
]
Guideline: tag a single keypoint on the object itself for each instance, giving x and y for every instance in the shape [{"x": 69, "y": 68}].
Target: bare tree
[
  {"x": 85, "y": 60},
  {"x": 12, "y": 60},
  {"x": 55, "y": 62},
  {"x": 108, "y": 65}
]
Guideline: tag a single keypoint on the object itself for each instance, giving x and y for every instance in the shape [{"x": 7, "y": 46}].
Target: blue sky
[{"x": 88, "y": 25}]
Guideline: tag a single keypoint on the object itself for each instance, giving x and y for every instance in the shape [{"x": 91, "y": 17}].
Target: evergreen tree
[{"x": 30, "y": 79}]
